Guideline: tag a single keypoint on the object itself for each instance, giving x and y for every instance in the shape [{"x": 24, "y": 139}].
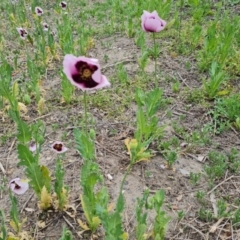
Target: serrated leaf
[
  {"x": 95, "y": 222},
  {"x": 14, "y": 226},
  {"x": 141, "y": 155},
  {"x": 41, "y": 106},
  {"x": 46, "y": 177},
  {"x": 86, "y": 208},
  {"x": 25, "y": 155},
  {"x": 45, "y": 199},
  {"x": 22, "y": 108},
  {"x": 120, "y": 203},
  {"x": 24, "y": 133},
  {"x": 15, "y": 89},
  {"x": 85, "y": 145}
]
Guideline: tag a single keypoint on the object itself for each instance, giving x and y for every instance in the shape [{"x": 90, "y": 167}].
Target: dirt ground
[{"x": 112, "y": 156}]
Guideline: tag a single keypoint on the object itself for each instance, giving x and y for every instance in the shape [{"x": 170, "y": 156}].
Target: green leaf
[
  {"x": 24, "y": 133},
  {"x": 45, "y": 174},
  {"x": 140, "y": 97},
  {"x": 26, "y": 156},
  {"x": 120, "y": 203},
  {"x": 3, "y": 226},
  {"x": 66, "y": 235},
  {"x": 88, "y": 209},
  {"x": 34, "y": 174},
  {"x": 140, "y": 231},
  {"x": 14, "y": 213},
  {"x": 59, "y": 175},
  {"x": 154, "y": 100},
  {"x": 85, "y": 145}
]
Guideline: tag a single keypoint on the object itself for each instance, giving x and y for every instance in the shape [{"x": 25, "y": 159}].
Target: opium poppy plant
[
  {"x": 151, "y": 22},
  {"x": 84, "y": 73},
  {"x": 58, "y": 147},
  {"x": 18, "y": 186}
]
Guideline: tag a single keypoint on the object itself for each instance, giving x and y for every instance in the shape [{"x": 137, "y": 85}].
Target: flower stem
[
  {"x": 125, "y": 175},
  {"x": 155, "y": 59},
  {"x": 85, "y": 111}
]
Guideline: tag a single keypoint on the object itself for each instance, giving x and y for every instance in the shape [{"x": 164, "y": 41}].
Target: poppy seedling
[
  {"x": 18, "y": 186},
  {"x": 58, "y": 147},
  {"x": 22, "y": 32}
]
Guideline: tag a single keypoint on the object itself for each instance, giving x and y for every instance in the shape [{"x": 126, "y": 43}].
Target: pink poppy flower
[
  {"x": 84, "y": 73},
  {"x": 63, "y": 5},
  {"x": 45, "y": 27},
  {"x": 22, "y": 32},
  {"x": 151, "y": 22},
  {"x": 18, "y": 186},
  {"x": 38, "y": 11},
  {"x": 32, "y": 147},
  {"x": 58, "y": 147}
]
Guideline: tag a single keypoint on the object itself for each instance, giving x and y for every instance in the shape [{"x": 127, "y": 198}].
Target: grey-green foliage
[
  {"x": 147, "y": 121},
  {"x": 85, "y": 145},
  {"x": 141, "y": 216},
  {"x": 112, "y": 221},
  {"x": 38, "y": 175},
  {"x": 216, "y": 78},
  {"x": 14, "y": 215},
  {"x": 217, "y": 165},
  {"x": 3, "y": 229},
  {"x": 66, "y": 235},
  {"x": 228, "y": 107},
  {"x": 161, "y": 220}
]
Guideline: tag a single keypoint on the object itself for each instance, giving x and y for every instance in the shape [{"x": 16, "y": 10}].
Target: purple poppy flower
[
  {"x": 38, "y": 11},
  {"x": 84, "y": 73},
  {"x": 151, "y": 22},
  {"x": 58, "y": 147},
  {"x": 63, "y": 5},
  {"x": 22, "y": 32},
  {"x": 18, "y": 186},
  {"x": 45, "y": 27}
]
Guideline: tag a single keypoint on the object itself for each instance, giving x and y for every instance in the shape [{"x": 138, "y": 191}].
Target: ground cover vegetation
[{"x": 119, "y": 119}]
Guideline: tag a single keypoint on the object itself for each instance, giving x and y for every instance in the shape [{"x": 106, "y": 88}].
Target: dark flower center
[
  {"x": 58, "y": 147},
  {"x": 84, "y": 75},
  {"x": 16, "y": 185},
  {"x": 39, "y": 11},
  {"x": 23, "y": 32},
  {"x": 63, "y": 5}
]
